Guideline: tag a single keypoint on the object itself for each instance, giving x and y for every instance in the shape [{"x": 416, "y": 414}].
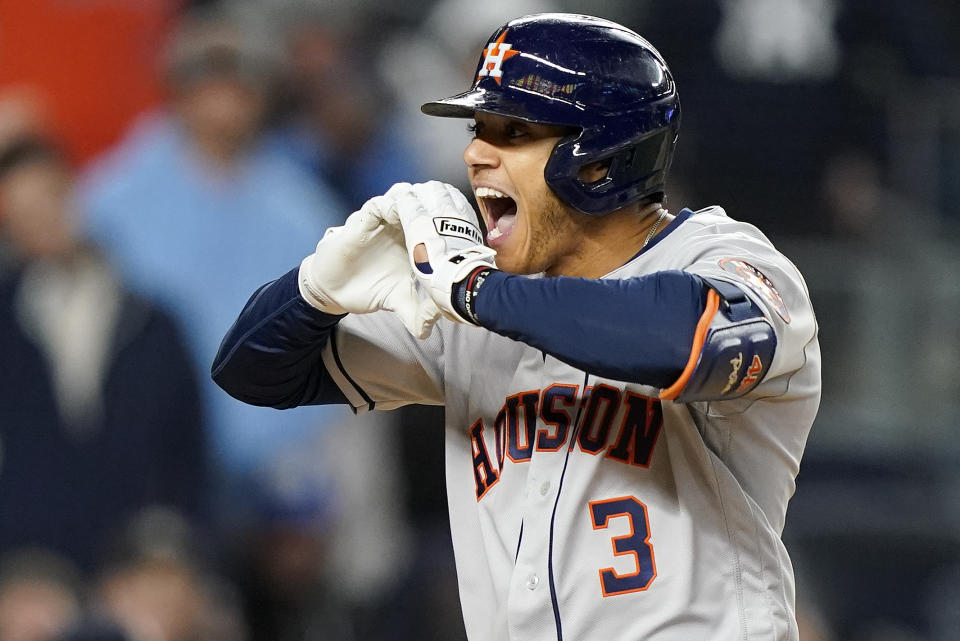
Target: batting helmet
[{"x": 589, "y": 73}]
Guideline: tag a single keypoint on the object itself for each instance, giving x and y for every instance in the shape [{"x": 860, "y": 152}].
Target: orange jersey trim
[{"x": 699, "y": 337}]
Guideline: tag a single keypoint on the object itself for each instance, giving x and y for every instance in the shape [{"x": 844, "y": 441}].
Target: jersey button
[
  {"x": 544, "y": 488},
  {"x": 533, "y": 582}
]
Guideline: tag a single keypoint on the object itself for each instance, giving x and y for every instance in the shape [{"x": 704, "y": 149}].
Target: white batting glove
[
  {"x": 437, "y": 218},
  {"x": 361, "y": 267}
]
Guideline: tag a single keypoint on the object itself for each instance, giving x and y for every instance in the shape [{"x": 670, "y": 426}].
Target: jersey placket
[{"x": 531, "y": 608}]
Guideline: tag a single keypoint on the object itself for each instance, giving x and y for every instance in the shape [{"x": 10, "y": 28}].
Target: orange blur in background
[{"x": 61, "y": 57}]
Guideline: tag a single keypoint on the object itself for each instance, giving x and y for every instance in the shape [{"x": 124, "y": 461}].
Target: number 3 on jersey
[{"x": 636, "y": 544}]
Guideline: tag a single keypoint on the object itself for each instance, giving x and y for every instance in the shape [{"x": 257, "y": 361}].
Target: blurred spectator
[
  {"x": 154, "y": 588},
  {"x": 339, "y": 121},
  {"x": 284, "y": 559},
  {"x": 195, "y": 210},
  {"x": 853, "y": 194},
  {"x": 39, "y": 596},
  {"x": 93, "y": 65},
  {"x": 99, "y": 408},
  {"x": 330, "y": 547},
  {"x": 23, "y": 114}
]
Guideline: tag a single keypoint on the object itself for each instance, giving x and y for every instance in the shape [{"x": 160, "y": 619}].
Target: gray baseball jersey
[{"x": 587, "y": 508}]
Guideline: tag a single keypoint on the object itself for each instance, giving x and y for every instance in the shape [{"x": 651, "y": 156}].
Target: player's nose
[{"x": 480, "y": 153}]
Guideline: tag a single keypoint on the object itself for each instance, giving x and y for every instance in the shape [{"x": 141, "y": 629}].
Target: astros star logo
[{"x": 494, "y": 56}]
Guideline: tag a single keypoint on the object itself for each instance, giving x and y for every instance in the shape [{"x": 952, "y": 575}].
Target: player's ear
[{"x": 594, "y": 172}]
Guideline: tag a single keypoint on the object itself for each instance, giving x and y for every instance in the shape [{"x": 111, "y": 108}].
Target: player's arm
[
  {"x": 273, "y": 354},
  {"x": 693, "y": 337}
]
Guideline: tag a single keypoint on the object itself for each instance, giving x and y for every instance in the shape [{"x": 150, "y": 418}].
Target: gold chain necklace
[{"x": 653, "y": 230}]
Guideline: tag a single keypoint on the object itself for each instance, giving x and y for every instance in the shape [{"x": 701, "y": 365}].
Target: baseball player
[{"x": 628, "y": 391}]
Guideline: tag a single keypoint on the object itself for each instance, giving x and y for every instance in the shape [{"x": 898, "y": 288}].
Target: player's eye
[
  {"x": 474, "y": 129},
  {"x": 513, "y": 131}
]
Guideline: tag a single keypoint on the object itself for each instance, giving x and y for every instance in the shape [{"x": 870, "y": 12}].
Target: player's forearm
[
  {"x": 272, "y": 354},
  {"x": 638, "y": 330}
]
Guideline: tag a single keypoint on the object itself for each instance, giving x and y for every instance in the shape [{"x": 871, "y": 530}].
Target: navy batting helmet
[{"x": 589, "y": 73}]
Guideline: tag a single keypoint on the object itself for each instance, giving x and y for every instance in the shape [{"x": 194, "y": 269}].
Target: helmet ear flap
[
  {"x": 634, "y": 170},
  {"x": 642, "y": 160}
]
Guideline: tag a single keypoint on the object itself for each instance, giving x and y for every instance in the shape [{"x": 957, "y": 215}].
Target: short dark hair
[{"x": 28, "y": 150}]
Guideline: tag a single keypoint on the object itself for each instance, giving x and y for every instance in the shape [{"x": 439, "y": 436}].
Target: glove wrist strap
[{"x": 465, "y": 293}]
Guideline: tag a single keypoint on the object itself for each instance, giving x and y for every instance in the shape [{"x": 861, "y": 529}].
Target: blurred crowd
[{"x": 161, "y": 159}]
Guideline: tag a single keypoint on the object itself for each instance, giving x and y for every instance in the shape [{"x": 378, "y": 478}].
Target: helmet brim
[
  {"x": 549, "y": 111},
  {"x": 462, "y": 105}
]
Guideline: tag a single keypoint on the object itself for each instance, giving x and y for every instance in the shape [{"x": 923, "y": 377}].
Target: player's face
[{"x": 530, "y": 229}]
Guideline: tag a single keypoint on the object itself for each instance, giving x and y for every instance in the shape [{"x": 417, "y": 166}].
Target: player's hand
[
  {"x": 443, "y": 239},
  {"x": 362, "y": 267}
]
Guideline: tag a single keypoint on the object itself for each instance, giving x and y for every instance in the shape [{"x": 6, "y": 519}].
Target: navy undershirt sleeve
[
  {"x": 638, "y": 330},
  {"x": 272, "y": 354}
]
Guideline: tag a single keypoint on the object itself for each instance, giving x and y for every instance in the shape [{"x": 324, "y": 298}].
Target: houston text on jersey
[{"x": 515, "y": 436}]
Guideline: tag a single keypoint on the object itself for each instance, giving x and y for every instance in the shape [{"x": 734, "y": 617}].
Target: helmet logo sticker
[{"x": 493, "y": 56}]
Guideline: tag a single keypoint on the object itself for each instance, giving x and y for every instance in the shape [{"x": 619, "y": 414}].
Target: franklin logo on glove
[{"x": 458, "y": 228}]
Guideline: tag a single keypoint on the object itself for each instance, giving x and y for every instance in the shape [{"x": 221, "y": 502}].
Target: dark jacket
[{"x": 71, "y": 490}]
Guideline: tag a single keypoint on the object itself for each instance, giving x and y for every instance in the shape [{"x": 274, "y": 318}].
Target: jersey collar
[{"x": 681, "y": 216}]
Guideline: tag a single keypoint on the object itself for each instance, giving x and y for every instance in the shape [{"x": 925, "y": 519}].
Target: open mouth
[{"x": 500, "y": 211}]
